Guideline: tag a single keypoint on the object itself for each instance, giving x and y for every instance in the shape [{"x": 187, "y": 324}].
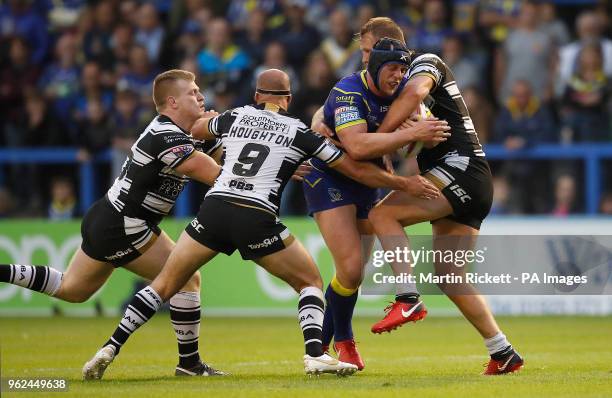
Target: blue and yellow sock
[{"x": 342, "y": 302}]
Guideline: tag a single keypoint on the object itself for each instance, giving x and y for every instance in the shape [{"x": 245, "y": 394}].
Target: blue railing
[{"x": 591, "y": 154}]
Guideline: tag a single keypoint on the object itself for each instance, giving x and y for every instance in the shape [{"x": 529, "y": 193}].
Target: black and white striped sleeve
[
  {"x": 208, "y": 147},
  {"x": 174, "y": 148},
  {"x": 317, "y": 146},
  {"x": 222, "y": 123},
  {"x": 428, "y": 65}
]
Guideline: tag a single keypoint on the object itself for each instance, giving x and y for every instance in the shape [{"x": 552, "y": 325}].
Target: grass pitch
[{"x": 440, "y": 357}]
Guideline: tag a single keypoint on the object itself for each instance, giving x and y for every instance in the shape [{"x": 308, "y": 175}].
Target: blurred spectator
[
  {"x": 589, "y": 28},
  {"x": 94, "y": 131},
  {"x": 464, "y": 16},
  {"x": 7, "y": 203},
  {"x": 586, "y": 97},
  {"x": 18, "y": 18},
  {"x": 340, "y": 48},
  {"x": 521, "y": 123},
  {"x": 409, "y": 16},
  {"x": 276, "y": 58},
  {"x": 432, "y": 30},
  {"x": 501, "y": 196},
  {"x": 64, "y": 14},
  {"x": 140, "y": 75},
  {"x": 128, "y": 11},
  {"x": 127, "y": 121},
  {"x": 150, "y": 33},
  {"x": 523, "y": 120},
  {"x": 239, "y": 10},
  {"x": 91, "y": 90},
  {"x": 299, "y": 37},
  {"x": 63, "y": 200},
  {"x": 320, "y": 12},
  {"x": 255, "y": 37},
  {"x": 527, "y": 55},
  {"x": 365, "y": 12},
  {"x": 317, "y": 81},
  {"x": 96, "y": 42},
  {"x": 222, "y": 63},
  {"x": 466, "y": 72},
  {"x": 552, "y": 25},
  {"x": 60, "y": 80},
  {"x": 481, "y": 112},
  {"x": 498, "y": 17},
  {"x": 19, "y": 76},
  {"x": 605, "y": 206},
  {"x": 121, "y": 46},
  {"x": 565, "y": 196},
  {"x": 41, "y": 127}
]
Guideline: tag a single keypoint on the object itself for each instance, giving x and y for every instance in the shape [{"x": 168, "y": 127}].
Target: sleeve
[
  {"x": 173, "y": 148},
  {"x": 208, "y": 146},
  {"x": 221, "y": 124},
  {"x": 315, "y": 145},
  {"x": 347, "y": 108},
  {"x": 428, "y": 65}
]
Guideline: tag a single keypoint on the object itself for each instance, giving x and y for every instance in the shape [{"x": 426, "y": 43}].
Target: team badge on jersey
[
  {"x": 182, "y": 150},
  {"x": 346, "y": 114},
  {"x": 334, "y": 194}
]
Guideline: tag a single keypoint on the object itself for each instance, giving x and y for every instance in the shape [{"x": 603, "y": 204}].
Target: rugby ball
[{"x": 412, "y": 149}]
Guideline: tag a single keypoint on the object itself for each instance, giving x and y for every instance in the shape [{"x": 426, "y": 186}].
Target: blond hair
[
  {"x": 163, "y": 85},
  {"x": 380, "y": 27}
]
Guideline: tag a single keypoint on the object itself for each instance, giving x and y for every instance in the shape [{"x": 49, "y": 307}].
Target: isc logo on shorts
[
  {"x": 460, "y": 192},
  {"x": 196, "y": 225}
]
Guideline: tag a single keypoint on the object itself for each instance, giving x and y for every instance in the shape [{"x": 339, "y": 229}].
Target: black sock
[
  {"x": 142, "y": 307},
  {"x": 185, "y": 315},
  {"x": 5, "y": 273},
  {"x": 310, "y": 314}
]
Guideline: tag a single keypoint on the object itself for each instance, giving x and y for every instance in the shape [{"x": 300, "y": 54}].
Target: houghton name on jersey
[
  {"x": 263, "y": 146},
  {"x": 446, "y": 103},
  {"x": 148, "y": 185}
]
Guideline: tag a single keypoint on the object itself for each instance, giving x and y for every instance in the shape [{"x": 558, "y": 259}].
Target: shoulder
[{"x": 426, "y": 58}]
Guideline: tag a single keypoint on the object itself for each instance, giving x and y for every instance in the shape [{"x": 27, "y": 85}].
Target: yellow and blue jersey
[{"x": 350, "y": 103}]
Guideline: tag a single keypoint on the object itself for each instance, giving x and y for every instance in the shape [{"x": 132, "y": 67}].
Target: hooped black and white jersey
[
  {"x": 148, "y": 185},
  {"x": 447, "y": 104},
  {"x": 263, "y": 146}
]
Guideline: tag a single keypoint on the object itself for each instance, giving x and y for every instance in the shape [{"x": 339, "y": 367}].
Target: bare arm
[
  {"x": 375, "y": 177},
  {"x": 200, "y": 131},
  {"x": 200, "y": 167},
  {"x": 414, "y": 92},
  {"x": 361, "y": 146}
]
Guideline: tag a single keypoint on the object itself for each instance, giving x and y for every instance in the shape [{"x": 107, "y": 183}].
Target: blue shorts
[{"x": 328, "y": 190}]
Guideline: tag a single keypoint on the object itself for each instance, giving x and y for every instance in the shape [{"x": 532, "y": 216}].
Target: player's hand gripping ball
[{"x": 412, "y": 149}]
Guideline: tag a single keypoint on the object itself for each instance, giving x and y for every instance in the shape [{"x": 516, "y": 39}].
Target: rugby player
[
  {"x": 121, "y": 229},
  {"x": 458, "y": 168},
  {"x": 263, "y": 146},
  {"x": 355, "y": 108}
]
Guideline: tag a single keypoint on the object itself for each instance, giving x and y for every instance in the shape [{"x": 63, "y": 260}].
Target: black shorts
[
  {"x": 469, "y": 191},
  {"x": 224, "y": 227},
  {"x": 114, "y": 238}
]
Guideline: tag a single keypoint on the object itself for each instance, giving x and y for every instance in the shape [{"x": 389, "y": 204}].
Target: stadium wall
[{"x": 232, "y": 287}]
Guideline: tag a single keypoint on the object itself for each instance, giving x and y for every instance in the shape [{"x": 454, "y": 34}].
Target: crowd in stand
[{"x": 78, "y": 73}]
